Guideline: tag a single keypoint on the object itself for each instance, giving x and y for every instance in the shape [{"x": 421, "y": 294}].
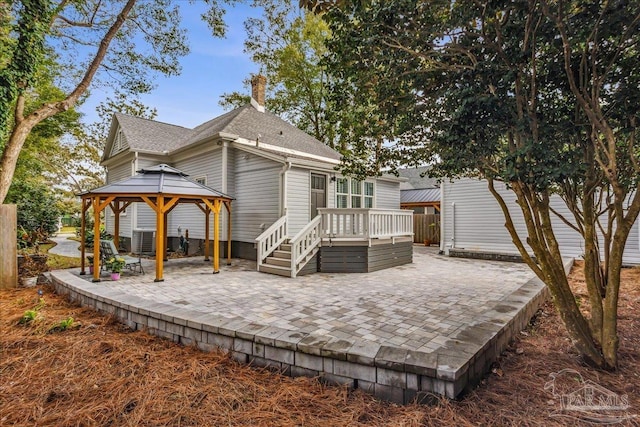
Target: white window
[
  {"x": 368, "y": 195},
  {"x": 201, "y": 180},
  {"x": 351, "y": 193},
  {"x": 342, "y": 192}
]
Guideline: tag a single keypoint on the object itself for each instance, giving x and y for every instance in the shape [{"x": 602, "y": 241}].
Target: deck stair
[{"x": 279, "y": 262}]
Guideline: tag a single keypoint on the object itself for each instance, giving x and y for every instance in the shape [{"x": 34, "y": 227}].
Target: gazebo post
[
  {"x": 83, "y": 231},
  {"x": 216, "y": 238},
  {"x": 160, "y": 239},
  {"x": 116, "y": 223},
  {"x": 207, "y": 239},
  {"x": 166, "y": 237},
  {"x": 96, "y": 239}
]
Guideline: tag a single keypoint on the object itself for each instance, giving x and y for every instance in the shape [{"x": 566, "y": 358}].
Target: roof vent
[{"x": 258, "y": 85}]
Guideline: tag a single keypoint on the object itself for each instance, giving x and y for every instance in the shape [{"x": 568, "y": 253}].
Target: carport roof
[{"x": 420, "y": 196}]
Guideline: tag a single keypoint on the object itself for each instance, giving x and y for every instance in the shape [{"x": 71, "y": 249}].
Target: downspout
[
  {"x": 453, "y": 225},
  {"x": 134, "y": 206},
  {"x": 225, "y": 167},
  {"x": 224, "y": 185},
  {"x": 442, "y": 204},
  {"x": 283, "y": 174}
]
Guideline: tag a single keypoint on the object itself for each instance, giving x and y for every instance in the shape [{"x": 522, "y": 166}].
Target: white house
[
  {"x": 473, "y": 221},
  {"x": 275, "y": 172}
]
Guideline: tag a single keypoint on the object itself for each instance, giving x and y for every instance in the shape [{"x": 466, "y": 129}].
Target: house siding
[
  {"x": 298, "y": 199},
  {"x": 115, "y": 174},
  {"x": 387, "y": 195},
  {"x": 257, "y": 193},
  {"x": 479, "y": 223},
  {"x": 189, "y": 216},
  {"x": 145, "y": 216}
]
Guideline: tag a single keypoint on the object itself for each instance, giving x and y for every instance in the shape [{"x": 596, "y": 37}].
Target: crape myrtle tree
[
  {"x": 123, "y": 43},
  {"x": 541, "y": 96}
]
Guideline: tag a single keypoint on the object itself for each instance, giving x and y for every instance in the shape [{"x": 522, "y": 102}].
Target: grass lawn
[
  {"x": 55, "y": 262},
  {"x": 94, "y": 371}
]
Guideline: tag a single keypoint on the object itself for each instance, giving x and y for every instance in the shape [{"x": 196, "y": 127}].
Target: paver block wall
[{"x": 390, "y": 373}]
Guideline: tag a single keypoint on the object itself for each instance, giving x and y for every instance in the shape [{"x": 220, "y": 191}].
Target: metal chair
[{"x": 108, "y": 250}]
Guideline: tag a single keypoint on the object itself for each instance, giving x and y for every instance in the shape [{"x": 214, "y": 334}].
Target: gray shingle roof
[
  {"x": 415, "y": 180},
  {"x": 149, "y": 135},
  {"x": 161, "y": 179},
  {"x": 246, "y": 122},
  {"x": 420, "y": 196}
]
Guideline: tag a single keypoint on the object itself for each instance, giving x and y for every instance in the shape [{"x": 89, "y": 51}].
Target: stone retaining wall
[{"x": 389, "y": 373}]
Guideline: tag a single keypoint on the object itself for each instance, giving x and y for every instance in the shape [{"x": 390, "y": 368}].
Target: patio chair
[{"x": 108, "y": 250}]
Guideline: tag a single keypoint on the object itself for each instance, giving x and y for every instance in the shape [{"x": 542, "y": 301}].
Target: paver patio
[{"x": 449, "y": 316}]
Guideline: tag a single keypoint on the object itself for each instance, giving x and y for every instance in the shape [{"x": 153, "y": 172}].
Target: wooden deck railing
[
  {"x": 271, "y": 239},
  {"x": 305, "y": 242},
  {"x": 366, "y": 223}
]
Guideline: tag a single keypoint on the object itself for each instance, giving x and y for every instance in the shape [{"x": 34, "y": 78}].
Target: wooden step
[
  {"x": 281, "y": 262},
  {"x": 285, "y": 247},
  {"x": 274, "y": 269},
  {"x": 281, "y": 254}
]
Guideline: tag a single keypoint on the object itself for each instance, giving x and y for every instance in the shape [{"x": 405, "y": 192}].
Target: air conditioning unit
[{"x": 144, "y": 241}]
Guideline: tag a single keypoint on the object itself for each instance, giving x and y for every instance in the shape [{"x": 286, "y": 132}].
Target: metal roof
[
  {"x": 420, "y": 196},
  {"x": 160, "y": 179}
]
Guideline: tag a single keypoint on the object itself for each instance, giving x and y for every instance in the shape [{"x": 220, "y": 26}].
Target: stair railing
[
  {"x": 304, "y": 243},
  {"x": 271, "y": 239}
]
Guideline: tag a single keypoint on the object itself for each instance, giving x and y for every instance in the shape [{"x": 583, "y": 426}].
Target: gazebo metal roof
[
  {"x": 162, "y": 188},
  {"x": 160, "y": 179}
]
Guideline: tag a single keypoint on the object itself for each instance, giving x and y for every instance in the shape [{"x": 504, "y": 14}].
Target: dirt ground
[{"x": 89, "y": 370}]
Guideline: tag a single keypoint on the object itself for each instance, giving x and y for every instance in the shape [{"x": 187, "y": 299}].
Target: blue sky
[{"x": 213, "y": 67}]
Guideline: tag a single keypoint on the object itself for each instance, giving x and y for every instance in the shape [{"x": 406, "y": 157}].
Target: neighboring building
[
  {"x": 420, "y": 193},
  {"x": 473, "y": 221},
  {"x": 271, "y": 168}
]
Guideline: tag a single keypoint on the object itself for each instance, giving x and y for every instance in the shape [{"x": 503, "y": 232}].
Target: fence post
[{"x": 8, "y": 246}]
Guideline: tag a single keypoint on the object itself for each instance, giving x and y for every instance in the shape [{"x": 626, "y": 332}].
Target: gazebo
[{"x": 162, "y": 188}]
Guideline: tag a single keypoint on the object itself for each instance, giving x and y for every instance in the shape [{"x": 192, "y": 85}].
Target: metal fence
[{"x": 426, "y": 228}]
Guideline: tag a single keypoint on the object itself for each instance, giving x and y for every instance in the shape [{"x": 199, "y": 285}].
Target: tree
[
  {"x": 122, "y": 42},
  {"x": 83, "y": 163},
  {"x": 542, "y": 96},
  {"x": 289, "y": 46},
  {"x": 38, "y": 212}
]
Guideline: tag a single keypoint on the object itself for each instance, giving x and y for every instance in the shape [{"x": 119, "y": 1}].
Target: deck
[{"x": 433, "y": 326}]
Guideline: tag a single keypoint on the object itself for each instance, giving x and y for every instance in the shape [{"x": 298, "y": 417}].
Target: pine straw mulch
[{"x": 97, "y": 372}]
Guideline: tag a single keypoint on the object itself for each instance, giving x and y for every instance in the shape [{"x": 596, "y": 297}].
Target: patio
[{"x": 435, "y": 325}]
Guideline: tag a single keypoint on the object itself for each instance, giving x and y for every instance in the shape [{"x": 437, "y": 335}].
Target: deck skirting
[{"x": 362, "y": 258}]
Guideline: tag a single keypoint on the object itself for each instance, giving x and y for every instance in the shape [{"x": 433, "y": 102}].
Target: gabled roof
[
  {"x": 149, "y": 135},
  {"x": 160, "y": 179},
  {"x": 422, "y": 195},
  {"x": 416, "y": 181},
  {"x": 264, "y": 130}
]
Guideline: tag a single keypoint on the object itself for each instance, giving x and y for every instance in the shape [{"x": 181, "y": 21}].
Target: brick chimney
[{"x": 258, "y": 85}]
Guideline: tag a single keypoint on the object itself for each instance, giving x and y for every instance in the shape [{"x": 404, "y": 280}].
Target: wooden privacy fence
[
  {"x": 8, "y": 247},
  {"x": 426, "y": 227}
]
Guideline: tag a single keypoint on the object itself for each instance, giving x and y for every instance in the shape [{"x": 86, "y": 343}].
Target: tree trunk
[
  {"x": 11, "y": 153},
  {"x": 550, "y": 269},
  {"x": 24, "y": 125}
]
